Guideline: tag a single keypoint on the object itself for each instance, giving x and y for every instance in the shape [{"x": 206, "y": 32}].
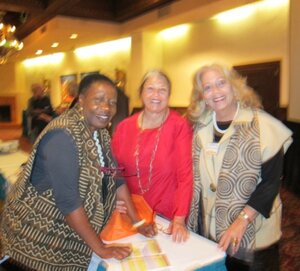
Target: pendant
[{"x": 213, "y": 187}]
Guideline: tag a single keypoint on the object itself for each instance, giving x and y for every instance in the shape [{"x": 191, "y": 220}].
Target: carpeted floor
[{"x": 290, "y": 241}]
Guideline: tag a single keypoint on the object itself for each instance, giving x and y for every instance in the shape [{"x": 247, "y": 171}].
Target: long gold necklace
[{"x": 137, "y": 153}]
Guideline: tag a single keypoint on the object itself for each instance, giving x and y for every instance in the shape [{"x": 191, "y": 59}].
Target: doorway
[{"x": 264, "y": 78}]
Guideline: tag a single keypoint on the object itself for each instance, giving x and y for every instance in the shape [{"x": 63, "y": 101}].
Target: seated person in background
[
  {"x": 64, "y": 197},
  {"x": 39, "y": 109},
  {"x": 123, "y": 101},
  {"x": 70, "y": 90}
]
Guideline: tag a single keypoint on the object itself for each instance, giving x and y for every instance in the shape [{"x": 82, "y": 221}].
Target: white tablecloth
[{"x": 197, "y": 252}]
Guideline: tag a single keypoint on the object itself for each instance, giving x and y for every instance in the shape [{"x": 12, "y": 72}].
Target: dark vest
[{"x": 33, "y": 230}]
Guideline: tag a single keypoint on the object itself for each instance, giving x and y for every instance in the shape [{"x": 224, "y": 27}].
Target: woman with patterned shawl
[
  {"x": 67, "y": 189},
  {"x": 238, "y": 152}
]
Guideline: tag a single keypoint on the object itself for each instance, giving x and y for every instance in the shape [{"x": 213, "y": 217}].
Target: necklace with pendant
[{"x": 143, "y": 190}]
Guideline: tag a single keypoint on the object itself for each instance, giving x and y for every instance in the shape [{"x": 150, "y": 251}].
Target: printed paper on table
[{"x": 146, "y": 255}]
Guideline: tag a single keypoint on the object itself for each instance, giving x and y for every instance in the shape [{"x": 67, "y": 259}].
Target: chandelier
[{"x": 8, "y": 42}]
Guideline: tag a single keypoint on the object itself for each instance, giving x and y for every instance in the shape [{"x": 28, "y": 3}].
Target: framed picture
[
  {"x": 83, "y": 74},
  {"x": 65, "y": 81},
  {"x": 47, "y": 86}
]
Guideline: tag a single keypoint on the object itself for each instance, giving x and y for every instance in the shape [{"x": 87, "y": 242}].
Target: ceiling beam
[
  {"x": 35, "y": 20},
  {"x": 21, "y": 6},
  {"x": 126, "y": 10}
]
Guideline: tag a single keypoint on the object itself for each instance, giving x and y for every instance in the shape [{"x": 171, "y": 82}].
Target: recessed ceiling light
[
  {"x": 54, "y": 44},
  {"x": 38, "y": 52},
  {"x": 74, "y": 36}
]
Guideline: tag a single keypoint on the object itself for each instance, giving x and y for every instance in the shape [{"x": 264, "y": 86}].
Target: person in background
[
  {"x": 238, "y": 152},
  {"x": 154, "y": 148},
  {"x": 123, "y": 100},
  {"x": 67, "y": 190},
  {"x": 68, "y": 101},
  {"x": 39, "y": 110}
]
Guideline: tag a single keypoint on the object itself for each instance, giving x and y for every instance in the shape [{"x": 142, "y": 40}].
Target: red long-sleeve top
[{"x": 170, "y": 188}]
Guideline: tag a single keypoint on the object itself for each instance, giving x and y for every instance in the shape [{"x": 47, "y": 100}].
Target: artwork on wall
[
  {"x": 120, "y": 79},
  {"x": 47, "y": 86},
  {"x": 65, "y": 81},
  {"x": 83, "y": 74}
]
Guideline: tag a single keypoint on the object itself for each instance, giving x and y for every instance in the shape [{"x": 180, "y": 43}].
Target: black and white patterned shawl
[{"x": 33, "y": 231}]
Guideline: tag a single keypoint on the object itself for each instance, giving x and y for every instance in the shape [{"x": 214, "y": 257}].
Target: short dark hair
[{"x": 88, "y": 80}]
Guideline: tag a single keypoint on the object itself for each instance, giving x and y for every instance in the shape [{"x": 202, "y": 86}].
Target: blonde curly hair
[{"x": 244, "y": 94}]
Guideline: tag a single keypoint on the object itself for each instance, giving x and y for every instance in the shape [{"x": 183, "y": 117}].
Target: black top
[{"x": 56, "y": 166}]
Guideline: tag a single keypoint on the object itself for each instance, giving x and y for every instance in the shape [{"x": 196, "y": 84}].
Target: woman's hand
[
  {"x": 178, "y": 229},
  {"x": 148, "y": 230},
  {"x": 121, "y": 206},
  {"x": 117, "y": 251},
  {"x": 78, "y": 221},
  {"x": 234, "y": 234}
]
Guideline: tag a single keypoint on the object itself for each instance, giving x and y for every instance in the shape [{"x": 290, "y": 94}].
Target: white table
[
  {"x": 10, "y": 164},
  {"x": 194, "y": 254}
]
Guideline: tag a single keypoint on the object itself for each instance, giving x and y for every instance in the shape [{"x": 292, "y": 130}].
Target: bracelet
[
  {"x": 139, "y": 223},
  {"x": 244, "y": 215}
]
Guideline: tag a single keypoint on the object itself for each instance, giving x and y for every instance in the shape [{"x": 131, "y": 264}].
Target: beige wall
[
  {"x": 261, "y": 38},
  {"x": 72, "y": 65},
  {"x": 294, "y": 108}
]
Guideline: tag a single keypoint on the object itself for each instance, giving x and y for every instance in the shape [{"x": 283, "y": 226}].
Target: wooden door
[{"x": 264, "y": 78}]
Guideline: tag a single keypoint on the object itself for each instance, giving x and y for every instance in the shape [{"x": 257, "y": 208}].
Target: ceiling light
[
  {"x": 74, "y": 36},
  {"x": 236, "y": 14},
  {"x": 174, "y": 32},
  {"x": 54, "y": 44},
  {"x": 38, "y": 52},
  {"x": 104, "y": 48},
  {"x": 243, "y": 12},
  {"x": 52, "y": 59}
]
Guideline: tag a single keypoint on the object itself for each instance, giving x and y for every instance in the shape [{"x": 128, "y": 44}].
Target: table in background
[{"x": 10, "y": 164}]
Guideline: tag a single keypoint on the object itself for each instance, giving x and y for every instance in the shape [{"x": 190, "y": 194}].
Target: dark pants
[{"x": 264, "y": 260}]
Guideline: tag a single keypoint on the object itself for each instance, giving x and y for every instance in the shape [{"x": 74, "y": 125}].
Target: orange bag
[{"x": 119, "y": 225}]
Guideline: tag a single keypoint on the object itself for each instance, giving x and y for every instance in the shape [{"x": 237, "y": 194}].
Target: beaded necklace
[
  {"x": 99, "y": 148},
  {"x": 137, "y": 153},
  {"x": 215, "y": 121}
]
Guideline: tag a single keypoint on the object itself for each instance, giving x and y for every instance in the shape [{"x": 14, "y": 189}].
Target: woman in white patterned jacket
[{"x": 238, "y": 152}]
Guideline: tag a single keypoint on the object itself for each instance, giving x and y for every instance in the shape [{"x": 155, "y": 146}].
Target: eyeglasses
[
  {"x": 116, "y": 172},
  {"x": 163, "y": 229},
  {"x": 219, "y": 83}
]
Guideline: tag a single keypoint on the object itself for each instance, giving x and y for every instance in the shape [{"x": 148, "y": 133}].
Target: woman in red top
[{"x": 154, "y": 147}]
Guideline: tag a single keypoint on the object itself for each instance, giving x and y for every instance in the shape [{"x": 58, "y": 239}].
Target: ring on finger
[{"x": 234, "y": 242}]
